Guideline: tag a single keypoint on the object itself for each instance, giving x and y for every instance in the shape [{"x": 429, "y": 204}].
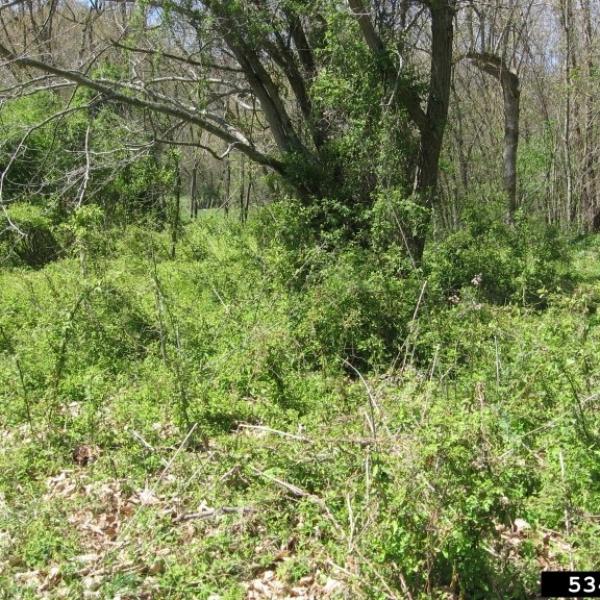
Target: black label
[{"x": 571, "y": 584}]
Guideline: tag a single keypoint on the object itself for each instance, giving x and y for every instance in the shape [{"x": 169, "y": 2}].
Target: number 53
[{"x": 575, "y": 585}]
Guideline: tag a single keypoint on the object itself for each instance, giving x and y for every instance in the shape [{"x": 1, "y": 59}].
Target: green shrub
[
  {"x": 423, "y": 477},
  {"x": 504, "y": 263},
  {"x": 35, "y": 159},
  {"x": 356, "y": 307},
  {"x": 129, "y": 185},
  {"x": 26, "y": 236}
]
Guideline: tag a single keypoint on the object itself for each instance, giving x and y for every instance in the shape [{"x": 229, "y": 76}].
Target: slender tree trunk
[
  {"x": 566, "y": 20},
  {"x": 496, "y": 67},
  {"x": 463, "y": 163},
  {"x": 227, "y": 187},
  {"x": 589, "y": 166},
  {"x": 248, "y": 194},
  {"x": 242, "y": 189},
  {"x": 175, "y": 217},
  {"x": 194, "y": 191},
  {"x": 511, "y": 95}
]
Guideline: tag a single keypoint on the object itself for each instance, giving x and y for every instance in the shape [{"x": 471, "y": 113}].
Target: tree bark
[
  {"x": 496, "y": 67},
  {"x": 590, "y": 189},
  {"x": 434, "y": 125}
]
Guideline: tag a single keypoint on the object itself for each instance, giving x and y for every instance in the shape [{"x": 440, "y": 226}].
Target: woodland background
[{"x": 298, "y": 298}]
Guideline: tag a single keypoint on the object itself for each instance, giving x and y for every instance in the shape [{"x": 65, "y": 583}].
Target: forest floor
[{"x": 163, "y": 437}]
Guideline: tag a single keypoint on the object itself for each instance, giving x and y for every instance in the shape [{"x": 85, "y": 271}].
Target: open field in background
[{"x": 188, "y": 429}]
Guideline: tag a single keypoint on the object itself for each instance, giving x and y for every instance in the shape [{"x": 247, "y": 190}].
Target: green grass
[{"x": 139, "y": 394}]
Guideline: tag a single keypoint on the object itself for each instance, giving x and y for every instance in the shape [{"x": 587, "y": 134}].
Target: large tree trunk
[{"x": 434, "y": 125}]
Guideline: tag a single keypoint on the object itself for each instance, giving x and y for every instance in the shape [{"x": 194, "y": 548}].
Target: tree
[
  {"x": 273, "y": 60},
  {"x": 511, "y": 94}
]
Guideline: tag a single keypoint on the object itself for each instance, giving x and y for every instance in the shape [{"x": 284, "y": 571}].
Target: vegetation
[
  {"x": 377, "y": 435},
  {"x": 298, "y": 299}
]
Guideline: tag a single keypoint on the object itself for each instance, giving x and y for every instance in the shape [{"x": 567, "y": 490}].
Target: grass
[{"x": 174, "y": 429}]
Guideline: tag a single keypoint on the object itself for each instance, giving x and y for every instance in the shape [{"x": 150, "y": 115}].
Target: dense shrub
[
  {"x": 522, "y": 262},
  {"x": 355, "y": 308},
  {"x": 26, "y": 236},
  {"x": 43, "y": 159},
  {"x": 34, "y": 152}
]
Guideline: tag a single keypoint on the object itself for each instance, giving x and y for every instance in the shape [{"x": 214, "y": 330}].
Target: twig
[
  {"x": 300, "y": 493},
  {"x": 215, "y": 512},
  {"x": 548, "y": 425},
  {"x": 351, "y": 523},
  {"x": 362, "y": 442},
  {"x": 146, "y": 445},
  {"x": 177, "y": 452},
  {"x": 497, "y": 363},
  {"x": 292, "y": 436},
  {"x": 373, "y": 406},
  {"x": 567, "y": 515},
  {"x": 86, "y": 175},
  {"x": 129, "y": 524},
  {"x": 372, "y": 402},
  {"x": 294, "y": 490}
]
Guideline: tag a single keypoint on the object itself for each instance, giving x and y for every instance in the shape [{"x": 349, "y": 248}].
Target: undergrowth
[{"x": 247, "y": 417}]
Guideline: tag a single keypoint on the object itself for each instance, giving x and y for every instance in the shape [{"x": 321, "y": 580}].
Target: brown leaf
[{"x": 83, "y": 455}]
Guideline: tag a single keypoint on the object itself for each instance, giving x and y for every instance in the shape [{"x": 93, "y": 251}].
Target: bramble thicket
[{"x": 298, "y": 299}]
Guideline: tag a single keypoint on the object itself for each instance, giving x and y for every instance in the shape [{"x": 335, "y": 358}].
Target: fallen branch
[
  {"x": 294, "y": 490},
  {"x": 213, "y": 513},
  {"x": 292, "y": 436},
  {"x": 363, "y": 442}
]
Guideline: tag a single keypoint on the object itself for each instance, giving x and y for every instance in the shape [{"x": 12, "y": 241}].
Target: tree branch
[{"x": 204, "y": 119}]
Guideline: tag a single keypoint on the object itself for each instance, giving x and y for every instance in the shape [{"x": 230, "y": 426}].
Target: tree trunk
[
  {"x": 433, "y": 126},
  {"x": 566, "y": 21},
  {"x": 496, "y": 67},
  {"x": 511, "y": 95},
  {"x": 194, "y": 192},
  {"x": 432, "y": 130},
  {"x": 227, "y": 188},
  {"x": 176, "y": 210},
  {"x": 590, "y": 191},
  {"x": 242, "y": 190}
]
